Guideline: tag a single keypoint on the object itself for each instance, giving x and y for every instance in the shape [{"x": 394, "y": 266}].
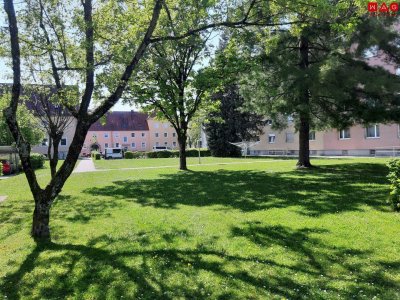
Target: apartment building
[
  {"x": 370, "y": 140},
  {"x": 129, "y": 130}
]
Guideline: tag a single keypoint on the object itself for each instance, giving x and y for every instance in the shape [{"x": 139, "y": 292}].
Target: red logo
[{"x": 382, "y": 9}]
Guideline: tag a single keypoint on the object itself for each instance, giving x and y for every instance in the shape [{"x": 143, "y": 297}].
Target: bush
[
  {"x": 96, "y": 155},
  {"x": 175, "y": 153},
  {"x": 129, "y": 155},
  {"x": 394, "y": 178},
  {"x": 195, "y": 152},
  {"x": 1, "y": 169},
  {"x": 37, "y": 160}
]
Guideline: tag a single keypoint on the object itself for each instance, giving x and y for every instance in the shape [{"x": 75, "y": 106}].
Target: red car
[{"x": 6, "y": 166}]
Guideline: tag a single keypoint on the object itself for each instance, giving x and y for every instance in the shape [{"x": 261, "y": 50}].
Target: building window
[
  {"x": 174, "y": 134},
  {"x": 271, "y": 138},
  {"x": 166, "y": 144},
  {"x": 290, "y": 119},
  {"x": 116, "y": 135},
  {"x": 344, "y": 134},
  {"x": 116, "y": 145},
  {"x": 165, "y": 134},
  {"x": 174, "y": 144},
  {"x": 312, "y": 136},
  {"x": 106, "y": 145},
  {"x": 133, "y": 145},
  {"x": 132, "y": 134},
  {"x": 157, "y": 144},
  {"x": 156, "y": 134},
  {"x": 45, "y": 142},
  {"x": 63, "y": 142},
  {"x": 289, "y": 137},
  {"x": 268, "y": 122},
  {"x": 106, "y": 135},
  {"x": 373, "y": 131},
  {"x": 143, "y": 145},
  {"x": 143, "y": 134},
  {"x": 156, "y": 125},
  {"x": 125, "y": 139}
]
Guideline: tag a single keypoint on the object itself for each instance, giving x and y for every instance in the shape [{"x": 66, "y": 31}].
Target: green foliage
[
  {"x": 175, "y": 153},
  {"x": 96, "y": 155},
  {"x": 37, "y": 160},
  {"x": 1, "y": 169},
  {"x": 236, "y": 125},
  {"x": 129, "y": 155},
  {"x": 29, "y": 125},
  {"x": 394, "y": 179}
]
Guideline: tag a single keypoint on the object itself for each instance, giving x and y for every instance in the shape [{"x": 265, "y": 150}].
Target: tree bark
[
  {"x": 54, "y": 157},
  {"x": 182, "y": 151},
  {"x": 304, "y": 143},
  {"x": 304, "y": 102},
  {"x": 41, "y": 220}
]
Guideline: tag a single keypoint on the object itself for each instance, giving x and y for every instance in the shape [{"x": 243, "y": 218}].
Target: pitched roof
[{"x": 122, "y": 121}]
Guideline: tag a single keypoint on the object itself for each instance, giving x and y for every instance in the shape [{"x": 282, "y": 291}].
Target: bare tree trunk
[
  {"x": 304, "y": 143},
  {"x": 182, "y": 151},
  {"x": 304, "y": 128},
  {"x": 54, "y": 157},
  {"x": 41, "y": 219}
]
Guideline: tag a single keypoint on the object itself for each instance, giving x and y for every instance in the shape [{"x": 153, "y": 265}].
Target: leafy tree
[
  {"x": 316, "y": 72},
  {"x": 236, "y": 125},
  {"x": 98, "y": 46},
  {"x": 29, "y": 125}
]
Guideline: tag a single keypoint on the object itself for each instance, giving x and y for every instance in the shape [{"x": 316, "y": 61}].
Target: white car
[
  {"x": 110, "y": 153},
  {"x": 161, "y": 148}
]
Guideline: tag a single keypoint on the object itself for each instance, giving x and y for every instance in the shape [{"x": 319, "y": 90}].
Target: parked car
[
  {"x": 6, "y": 166},
  {"x": 110, "y": 153},
  {"x": 161, "y": 148}
]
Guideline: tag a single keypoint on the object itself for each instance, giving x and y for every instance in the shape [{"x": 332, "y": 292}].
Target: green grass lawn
[
  {"x": 258, "y": 230},
  {"x": 165, "y": 162}
]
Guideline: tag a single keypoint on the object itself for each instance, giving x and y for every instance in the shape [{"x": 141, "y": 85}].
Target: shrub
[
  {"x": 195, "y": 152},
  {"x": 37, "y": 160},
  {"x": 129, "y": 155},
  {"x": 1, "y": 169},
  {"x": 175, "y": 153},
  {"x": 394, "y": 178}
]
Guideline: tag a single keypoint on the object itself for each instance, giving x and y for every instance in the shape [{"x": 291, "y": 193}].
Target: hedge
[
  {"x": 1, "y": 169},
  {"x": 37, "y": 160},
  {"x": 175, "y": 153},
  {"x": 132, "y": 155},
  {"x": 394, "y": 179}
]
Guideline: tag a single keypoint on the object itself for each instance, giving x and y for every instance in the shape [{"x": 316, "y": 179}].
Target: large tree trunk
[
  {"x": 41, "y": 219},
  {"x": 304, "y": 102},
  {"x": 182, "y": 151},
  {"x": 304, "y": 143}
]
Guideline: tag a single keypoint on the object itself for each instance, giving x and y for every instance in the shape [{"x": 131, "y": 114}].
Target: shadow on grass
[
  {"x": 114, "y": 268},
  {"x": 327, "y": 189}
]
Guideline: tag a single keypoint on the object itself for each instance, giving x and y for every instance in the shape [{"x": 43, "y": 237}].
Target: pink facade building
[{"x": 129, "y": 130}]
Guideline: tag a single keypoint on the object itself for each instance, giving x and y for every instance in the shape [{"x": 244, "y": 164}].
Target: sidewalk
[{"x": 85, "y": 165}]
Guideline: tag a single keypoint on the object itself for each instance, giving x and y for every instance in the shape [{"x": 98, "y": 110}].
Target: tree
[
  {"x": 170, "y": 86},
  {"x": 313, "y": 73},
  {"x": 99, "y": 47},
  {"x": 29, "y": 125},
  {"x": 236, "y": 125}
]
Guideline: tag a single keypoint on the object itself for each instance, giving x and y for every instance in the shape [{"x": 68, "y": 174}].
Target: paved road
[{"x": 85, "y": 165}]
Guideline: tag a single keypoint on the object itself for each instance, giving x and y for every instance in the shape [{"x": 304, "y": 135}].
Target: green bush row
[
  {"x": 394, "y": 178},
  {"x": 1, "y": 169},
  {"x": 37, "y": 160},
  {"x": 166, "y": 154}
]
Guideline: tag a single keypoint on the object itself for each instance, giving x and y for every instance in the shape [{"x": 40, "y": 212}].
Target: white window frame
[
  {"x": 273, "y": 140},
  {"x": 174, "y": 144},
  {"x": 133, "y": 145},
  {"x": 342, "y": 134},
  {"x": 143, "y": 145},
  {"x": 376, "y": 130},
  {"x": 156, "y": 134},
  {"x": 174, "y": 134},
  {"x": 105, "y": 145},
  {"x": 116, "y": 145},
  {"x": 165, "y": 134},
  {"x": 143, "y": 134},
  {"x": 125, "y": 139},
  {"x": 116, "y": 135},
  {"x": 106, "y": 135},
  {"x": 133, "y": 134}
]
